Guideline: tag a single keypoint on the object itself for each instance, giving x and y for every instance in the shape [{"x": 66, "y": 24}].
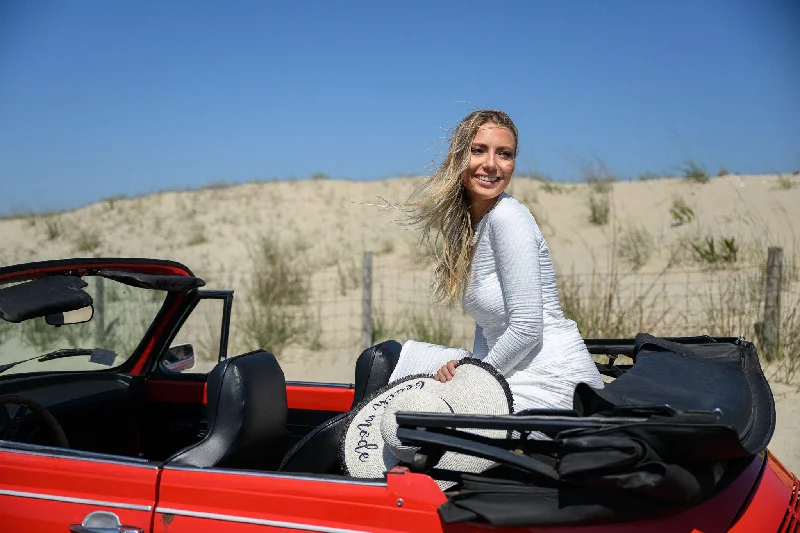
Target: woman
[{"x": 495, "y": 259}]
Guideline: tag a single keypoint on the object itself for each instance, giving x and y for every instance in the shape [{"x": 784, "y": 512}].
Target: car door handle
[
  {"x": 103, "y": 522},
  {"x": 78, "y": 528}
]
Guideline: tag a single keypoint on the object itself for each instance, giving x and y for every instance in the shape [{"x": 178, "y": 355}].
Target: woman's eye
[
  {"x": 477, "y": 150},
  {"x": 507, "y": 155}
]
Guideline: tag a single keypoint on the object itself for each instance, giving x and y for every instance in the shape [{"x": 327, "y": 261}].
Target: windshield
[{"x": 122, "y": 314}]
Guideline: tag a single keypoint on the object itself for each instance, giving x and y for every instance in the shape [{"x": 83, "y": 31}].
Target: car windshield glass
[{"x": 103, "y": 338}]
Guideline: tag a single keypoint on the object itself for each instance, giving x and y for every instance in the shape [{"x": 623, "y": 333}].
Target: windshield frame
[{"x": 148, "y": 345}]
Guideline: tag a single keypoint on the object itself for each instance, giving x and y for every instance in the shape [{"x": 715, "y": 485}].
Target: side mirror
[
  {"x": 179, "y": 358},
  {"x": 78, "y": 316}
]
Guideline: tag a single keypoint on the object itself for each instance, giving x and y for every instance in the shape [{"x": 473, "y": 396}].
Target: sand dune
[{"x": 647, "y": 244}]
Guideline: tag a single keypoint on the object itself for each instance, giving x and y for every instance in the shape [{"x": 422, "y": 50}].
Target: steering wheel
[{"x": 49, "y": 421}]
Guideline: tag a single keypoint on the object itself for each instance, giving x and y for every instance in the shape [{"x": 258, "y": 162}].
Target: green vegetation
[
  {"x": 197, "y": 235},
  {"x": 431, "y": 327},
  {"x": 785, "y": 182},
  {"x": 278, "y": 296},
  {"x": 647, "y": 176},
  {"x": 87, "y": 241},
  {"x": 53, "y": 228},
  {"x": 695, "y": 172},
  {"x": 635, "y": 246},
  {"x": 680, "y": 212},
  {"x": 709, "y": 252},
  {"x": 599, "y": 207},
  {"x": 551, "y": 187}
]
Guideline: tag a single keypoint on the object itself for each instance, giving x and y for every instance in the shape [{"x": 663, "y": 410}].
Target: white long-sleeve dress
[{"x": 520, "y": 327}]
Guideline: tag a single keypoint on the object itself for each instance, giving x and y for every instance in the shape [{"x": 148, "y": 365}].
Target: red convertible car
[{"x": 109, "y": 422}]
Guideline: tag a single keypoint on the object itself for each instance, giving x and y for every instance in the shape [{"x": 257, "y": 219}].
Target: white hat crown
[{"x": 369, "y": 446}]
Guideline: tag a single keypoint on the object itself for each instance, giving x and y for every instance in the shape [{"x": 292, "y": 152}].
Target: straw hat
[{"x": 369, "y": 445}]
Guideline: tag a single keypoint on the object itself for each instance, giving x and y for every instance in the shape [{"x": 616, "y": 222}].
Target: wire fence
[{"x": 333, "y": 326}]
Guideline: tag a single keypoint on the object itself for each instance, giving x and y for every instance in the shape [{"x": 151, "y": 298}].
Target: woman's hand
[{"x": 447, "y": 372}]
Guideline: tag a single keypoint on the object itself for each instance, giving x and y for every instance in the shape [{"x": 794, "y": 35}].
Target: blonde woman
[{"x": 494, "y": 260}]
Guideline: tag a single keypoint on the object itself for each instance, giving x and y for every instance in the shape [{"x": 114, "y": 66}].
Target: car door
[
  {"x": 54, "y": 490},
  {"x": 230, "y": 501}
]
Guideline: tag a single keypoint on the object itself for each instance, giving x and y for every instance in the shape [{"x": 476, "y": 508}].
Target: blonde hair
[{"x": 442, "y": 207}]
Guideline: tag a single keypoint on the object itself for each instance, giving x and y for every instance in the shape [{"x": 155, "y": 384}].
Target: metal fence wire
[{"x": 319, "y": 335}]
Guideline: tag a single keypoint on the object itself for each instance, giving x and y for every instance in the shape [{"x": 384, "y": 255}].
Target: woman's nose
[{"x": 489, "y": 161}]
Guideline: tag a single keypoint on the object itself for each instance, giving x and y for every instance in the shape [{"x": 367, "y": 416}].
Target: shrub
[
  {"x": 431, "y": 327},
  {"x": 382, "y": 329},
  {"x": 277, "y": 276},
  {"x": 599, "y": 208},
  {"x": 635, "y": 245},
  {"x": 552, "y": 187},
  {"x": 785, "y": 182},
  {"x": 601, "y": 185},
  {"x": 681, "y": 212},
  {"x": 695, "y": 172},
  {"x": 53, "y": 229},
  {"x": 709, "y": 252},
  {"x": 279, "y": 293},
  {"x": 197, "y": 235},
  {"x": 602, "y": 310},
  {"x": 647, "y": 176},
  {"x": 87, "y": 241}
]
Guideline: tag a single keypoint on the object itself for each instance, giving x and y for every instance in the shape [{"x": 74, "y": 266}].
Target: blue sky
[{"x": 103, "y": 98}]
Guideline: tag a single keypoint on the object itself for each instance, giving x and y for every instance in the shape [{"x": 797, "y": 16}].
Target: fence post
[
  {"x": 99, "y": 312},
  {"x": 772, "y": 303},
  {"x": 366, "y": 301}
]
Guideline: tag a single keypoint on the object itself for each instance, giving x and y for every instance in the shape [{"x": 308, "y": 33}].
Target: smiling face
[{"x": 491, "y": 165}]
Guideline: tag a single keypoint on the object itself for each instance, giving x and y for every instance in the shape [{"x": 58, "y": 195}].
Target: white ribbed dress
[{"x": 520, "y": 328}]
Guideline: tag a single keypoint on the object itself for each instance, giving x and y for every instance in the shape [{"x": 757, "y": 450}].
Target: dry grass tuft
[
  {"x": 695, "y": 172},
  {"x": 87, "y": 241},
  {"x": 277, "y": 302},
  {"x": 635, "y": 246}
]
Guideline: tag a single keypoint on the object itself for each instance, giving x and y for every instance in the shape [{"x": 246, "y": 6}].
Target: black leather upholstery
[
  {"x": 247, "y": 412},
  {"x": 374, "y": 367},
  {"x": 318, "y": 451}
]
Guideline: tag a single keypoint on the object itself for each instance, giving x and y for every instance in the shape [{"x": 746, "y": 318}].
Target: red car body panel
[
  {"x": 774, "y": 503},
  {"x": 243, "y": 502},
  {"x": 44, "y": 494},
  {"x": 319, "y": 398},
  {"x": 164, "y": 390}
]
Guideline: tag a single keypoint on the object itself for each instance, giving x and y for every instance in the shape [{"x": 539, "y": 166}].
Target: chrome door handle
[
  {"x": 78, "y": 528},
  {"x": 103, "y": 522}
]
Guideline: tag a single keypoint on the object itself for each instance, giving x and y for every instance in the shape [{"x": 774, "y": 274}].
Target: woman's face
[{"x": 491, "y": 163}]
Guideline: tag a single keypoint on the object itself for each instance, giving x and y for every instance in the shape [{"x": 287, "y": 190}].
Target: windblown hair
[{"x": 442, "y": 207}]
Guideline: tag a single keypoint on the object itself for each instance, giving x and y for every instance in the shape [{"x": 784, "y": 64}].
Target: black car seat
[
  {"x": 247, "y": 412},
  {"x": 318, "y": 451}
]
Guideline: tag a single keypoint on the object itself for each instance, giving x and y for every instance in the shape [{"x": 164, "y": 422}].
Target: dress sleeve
[
  {"x": 515, "y": 240},
  {"x": 479, "y": 347}
]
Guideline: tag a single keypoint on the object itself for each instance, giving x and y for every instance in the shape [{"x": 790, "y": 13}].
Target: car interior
[{"x": 245, "y": 422}]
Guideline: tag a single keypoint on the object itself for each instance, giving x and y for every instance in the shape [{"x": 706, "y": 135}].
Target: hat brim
[{"x": 478, "y": 389}]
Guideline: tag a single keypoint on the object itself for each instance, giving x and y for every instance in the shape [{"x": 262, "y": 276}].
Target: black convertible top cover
[
  {"x": 689, "y": 415},
  {"x": 43, "y": 296},
  {"x": 725, "y": 378}
]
